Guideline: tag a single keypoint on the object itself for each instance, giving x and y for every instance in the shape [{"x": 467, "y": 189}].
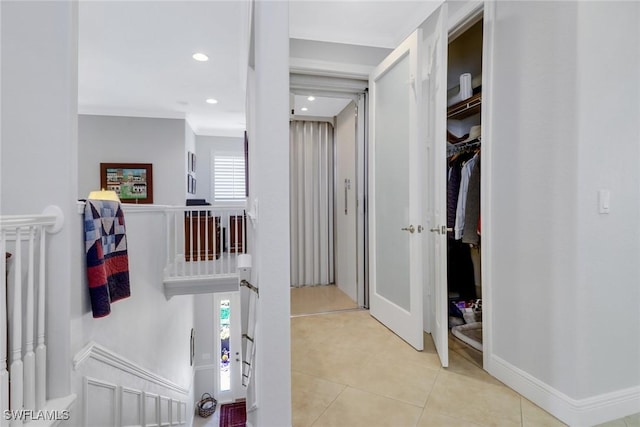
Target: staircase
[{"x": 23, "y": 349}]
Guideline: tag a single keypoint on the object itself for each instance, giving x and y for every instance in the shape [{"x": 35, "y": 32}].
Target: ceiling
[
  {"x": 319, "y": 107},
  {"x": 135, "y": 57}
]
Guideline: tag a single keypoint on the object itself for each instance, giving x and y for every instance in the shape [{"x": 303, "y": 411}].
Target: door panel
[
  {"x": 392, "y": 184},
  {"x": 435, "y": 96},
  {"x": 395, "y": 194}
]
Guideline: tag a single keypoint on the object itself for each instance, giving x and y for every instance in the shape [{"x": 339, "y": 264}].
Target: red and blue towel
[{"x": 107, "y": 259}]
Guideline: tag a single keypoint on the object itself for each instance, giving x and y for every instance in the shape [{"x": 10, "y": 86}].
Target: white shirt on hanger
[{"x": 462, "y": 197}]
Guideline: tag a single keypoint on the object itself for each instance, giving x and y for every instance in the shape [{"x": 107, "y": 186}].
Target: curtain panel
[{"x": 312, "y": 203}]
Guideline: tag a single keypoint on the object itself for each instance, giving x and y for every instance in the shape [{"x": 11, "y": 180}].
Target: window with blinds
[{"x": 228, "y": 176}]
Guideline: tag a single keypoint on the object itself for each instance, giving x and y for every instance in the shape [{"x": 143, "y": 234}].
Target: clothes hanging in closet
[
  {"x": 462, "y": 197},
  {"x": 453, "y": 187},
  {"x": 472, "y": 207},
  {"x": 460, "y": 267}
]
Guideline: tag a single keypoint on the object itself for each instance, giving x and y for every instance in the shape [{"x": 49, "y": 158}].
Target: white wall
[
  {"x": 112, "y": 139},
  {"x": 204, "y": 146},
  {"x": 267, "y": 118},
  {"x": 533, "y": 208},
  {"x": 144, "y": 328},
  {"x": 563, "y": 277},
  {"x": 39, "y": 148},
  {"x": 205, "y": 361},
  {"x": 608, "y": 246},
  {"x": 346, "y": 260}
]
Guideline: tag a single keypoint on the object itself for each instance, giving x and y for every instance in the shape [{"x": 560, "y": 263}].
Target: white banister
[
  {"x": 205, "y": 242},
  {"x": 16, "y": 372},
  {"x": 23, "y": 385},
  {"x": 41, "y": 349},
  {"x": 4, "y": 374},
  {"x": 29, "y": 356}
]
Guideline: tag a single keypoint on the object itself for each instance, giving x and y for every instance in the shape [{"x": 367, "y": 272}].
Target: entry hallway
[{"x": 350, "y": 370}]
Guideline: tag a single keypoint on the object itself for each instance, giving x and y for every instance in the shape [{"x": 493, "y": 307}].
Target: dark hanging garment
[
  {"x": 453, "y": 188},
  {"x": 472, "y": 208},
  {"x": 460, "y": 272}
]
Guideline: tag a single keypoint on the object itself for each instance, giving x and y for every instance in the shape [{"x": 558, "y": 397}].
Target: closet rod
[{"x": 453, "y": 149}]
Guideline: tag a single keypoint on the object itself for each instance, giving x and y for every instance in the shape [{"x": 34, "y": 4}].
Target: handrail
[
  {"x": 52, "y": 218},
  {"x": 9, "y": 221}
]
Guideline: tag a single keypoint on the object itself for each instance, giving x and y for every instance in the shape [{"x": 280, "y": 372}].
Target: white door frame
[
  {"x": 457, "y": 22},
  {"x": 361, "y": 188}
]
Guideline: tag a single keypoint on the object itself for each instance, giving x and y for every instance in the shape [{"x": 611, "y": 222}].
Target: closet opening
[
  {"x": 326, "y": 201},
  {"x": 464, "y": 148}
]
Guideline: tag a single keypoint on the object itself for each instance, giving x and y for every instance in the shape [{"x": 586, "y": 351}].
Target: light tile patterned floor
[
  {"x": 350, "y": 370},
  {"x": 319, "y": 299}
]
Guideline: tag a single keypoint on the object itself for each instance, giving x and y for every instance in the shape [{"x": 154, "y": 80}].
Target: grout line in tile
[
  {"x": 384, "y": 396},
  {"x": 329, "y": 405},
  {"x": 320, "y": 378}
]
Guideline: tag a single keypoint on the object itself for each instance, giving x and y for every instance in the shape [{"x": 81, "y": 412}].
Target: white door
[
  {"x": 435, "y": 98},
  {"x": 395, "y": 194}
]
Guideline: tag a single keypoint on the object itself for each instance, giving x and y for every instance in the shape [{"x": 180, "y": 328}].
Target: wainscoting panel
[
  {"x": 100, "y": 403},
  {"x": 165, "y": 411},
  {"x": 174, "y": 412},
  {"x": 151, "y": 410},
  {"x": 183, "y": 413},
  {"x": 131, "y": 407}
]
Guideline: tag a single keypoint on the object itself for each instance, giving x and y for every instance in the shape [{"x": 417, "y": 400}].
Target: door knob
[
  {"x": 442, "y": 229},
  {"x": 411, "y": 229}
]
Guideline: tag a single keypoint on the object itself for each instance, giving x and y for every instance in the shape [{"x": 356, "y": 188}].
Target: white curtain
[{"x": 312, "y": 202}]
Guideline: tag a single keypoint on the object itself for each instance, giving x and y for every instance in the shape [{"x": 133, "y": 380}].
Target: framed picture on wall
[
  {"x": 191, "y": 184},
  {"x": 191, "y": 162},
  {"x": 132, "y": 182}
]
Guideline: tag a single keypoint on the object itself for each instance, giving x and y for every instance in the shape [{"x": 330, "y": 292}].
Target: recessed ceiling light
[
  {"x": 212, "y": 101},
  {"x": 200, "y": 57},
  {"x": 304, "y": 109},
  {"x": 311, "y": 98}
]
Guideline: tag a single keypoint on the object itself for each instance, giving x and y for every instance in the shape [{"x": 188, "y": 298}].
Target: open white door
[
  {"x": 395, "y": 193},
  {"x": 435, "y": 96}
]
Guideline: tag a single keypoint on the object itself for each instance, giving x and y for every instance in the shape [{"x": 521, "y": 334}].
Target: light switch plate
[{"x": 604, "y": 201}]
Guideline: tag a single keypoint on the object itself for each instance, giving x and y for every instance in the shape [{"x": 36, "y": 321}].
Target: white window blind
[{"x": 228, "y": 176}]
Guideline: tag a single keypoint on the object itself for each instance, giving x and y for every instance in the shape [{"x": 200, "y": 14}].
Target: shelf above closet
[{"x": 466, "y": 108}]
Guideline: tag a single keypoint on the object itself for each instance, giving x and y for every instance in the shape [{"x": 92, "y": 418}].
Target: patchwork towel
[{"x": 107, "y": 259}]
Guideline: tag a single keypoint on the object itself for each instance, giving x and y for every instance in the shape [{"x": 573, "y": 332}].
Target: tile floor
[
  {"x": 349, "y": 370},
  {"x": 319, "y": 299}
]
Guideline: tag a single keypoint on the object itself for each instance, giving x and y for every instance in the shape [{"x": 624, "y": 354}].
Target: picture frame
[
  {"x": 191, "y": 184},
  {"x": 132, "y": 182},
  {"x": 191, "y": 162},
  {"x": 192, "y": 347}
]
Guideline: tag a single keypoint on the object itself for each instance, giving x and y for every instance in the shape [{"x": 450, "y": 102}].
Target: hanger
[{"x": 104, "y": 195}]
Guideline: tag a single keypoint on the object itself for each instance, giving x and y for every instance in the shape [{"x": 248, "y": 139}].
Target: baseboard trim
[
  {"x": 575, "y": 412},
  {"x": 97, "y": 352}
]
